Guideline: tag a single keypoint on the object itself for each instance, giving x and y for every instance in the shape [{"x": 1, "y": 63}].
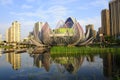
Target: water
[{"x": 45, "y": 66}]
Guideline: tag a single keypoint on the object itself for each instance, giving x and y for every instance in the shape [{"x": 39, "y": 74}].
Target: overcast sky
[{"x": 27, "y": 12}]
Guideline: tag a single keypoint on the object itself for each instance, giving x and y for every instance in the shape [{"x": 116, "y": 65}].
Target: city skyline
[{"x": 28, "y": 12}]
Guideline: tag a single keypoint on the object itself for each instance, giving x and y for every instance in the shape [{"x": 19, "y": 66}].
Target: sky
[{"x": 28, "y": 12}]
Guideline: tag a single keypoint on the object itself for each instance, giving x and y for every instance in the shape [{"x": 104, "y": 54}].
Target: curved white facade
[{"x": 67, "y": 33}]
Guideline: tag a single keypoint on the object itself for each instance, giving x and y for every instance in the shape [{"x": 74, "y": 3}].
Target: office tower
[
  {"x": 114, "y": 7},
  {"x": 13, "y": 33},
  {"x": 91, "y": 26},
  {"x": 105, "y": 22}
]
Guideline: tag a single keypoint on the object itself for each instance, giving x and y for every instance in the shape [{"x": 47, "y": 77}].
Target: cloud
[
  {"x": 94, "y": 4},
  {"x": 98, "y": 3},
  {"x": 96, "y": 21},
  {"x": 6, "y": 2},
  {"x": 54, "y": 10},
  {"x": 24, "y": 6},
  {"x": 57, "y": 11},
  {"x": 51, "y": 14}
]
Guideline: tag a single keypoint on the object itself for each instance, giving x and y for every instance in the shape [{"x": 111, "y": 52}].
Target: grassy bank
[
  {"x": 62, "y": 50},
  {"x": 6, "y": 47}
]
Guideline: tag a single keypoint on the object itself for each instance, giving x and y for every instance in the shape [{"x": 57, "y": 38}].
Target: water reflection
[
  {"x": 13, "y": 56},
  {"x": 42, "y": 60},
  {"x": 90, "y": 58},
  {"x": 0, "y": 52},
  {"x": 48, "y": 66},
  {"x": 111, "y": 65},
  {"x": 71, "y": 64},
  {"x": 14, "y": 59}
]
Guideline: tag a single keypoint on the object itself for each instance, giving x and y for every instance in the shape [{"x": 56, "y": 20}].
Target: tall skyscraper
[
  {"x": 114, "y": 7},
  {"x": 105, "y": 22},
  {"x": 13, "y": 33}
]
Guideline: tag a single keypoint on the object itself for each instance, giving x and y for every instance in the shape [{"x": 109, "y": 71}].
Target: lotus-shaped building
[{"x": 66, "y": 33}]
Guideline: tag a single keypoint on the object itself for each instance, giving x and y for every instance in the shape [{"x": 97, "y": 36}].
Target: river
[{"x": 46, "y": 66}]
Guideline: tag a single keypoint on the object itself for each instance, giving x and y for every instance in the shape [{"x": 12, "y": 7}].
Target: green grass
[
  {"x": 75, "y": 51},
  {"x": 7, "y": 47}
]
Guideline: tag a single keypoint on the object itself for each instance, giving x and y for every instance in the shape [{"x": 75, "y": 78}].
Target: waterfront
[
  {"x": 48, "y": 65},
  {"x": 60, "y": 40}
]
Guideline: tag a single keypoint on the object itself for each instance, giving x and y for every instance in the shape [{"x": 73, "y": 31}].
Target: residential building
[
  {"x": 114, "y": 7},
  {"x": 13, "y": 33},
  {"x": 105, "y": 20}
]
